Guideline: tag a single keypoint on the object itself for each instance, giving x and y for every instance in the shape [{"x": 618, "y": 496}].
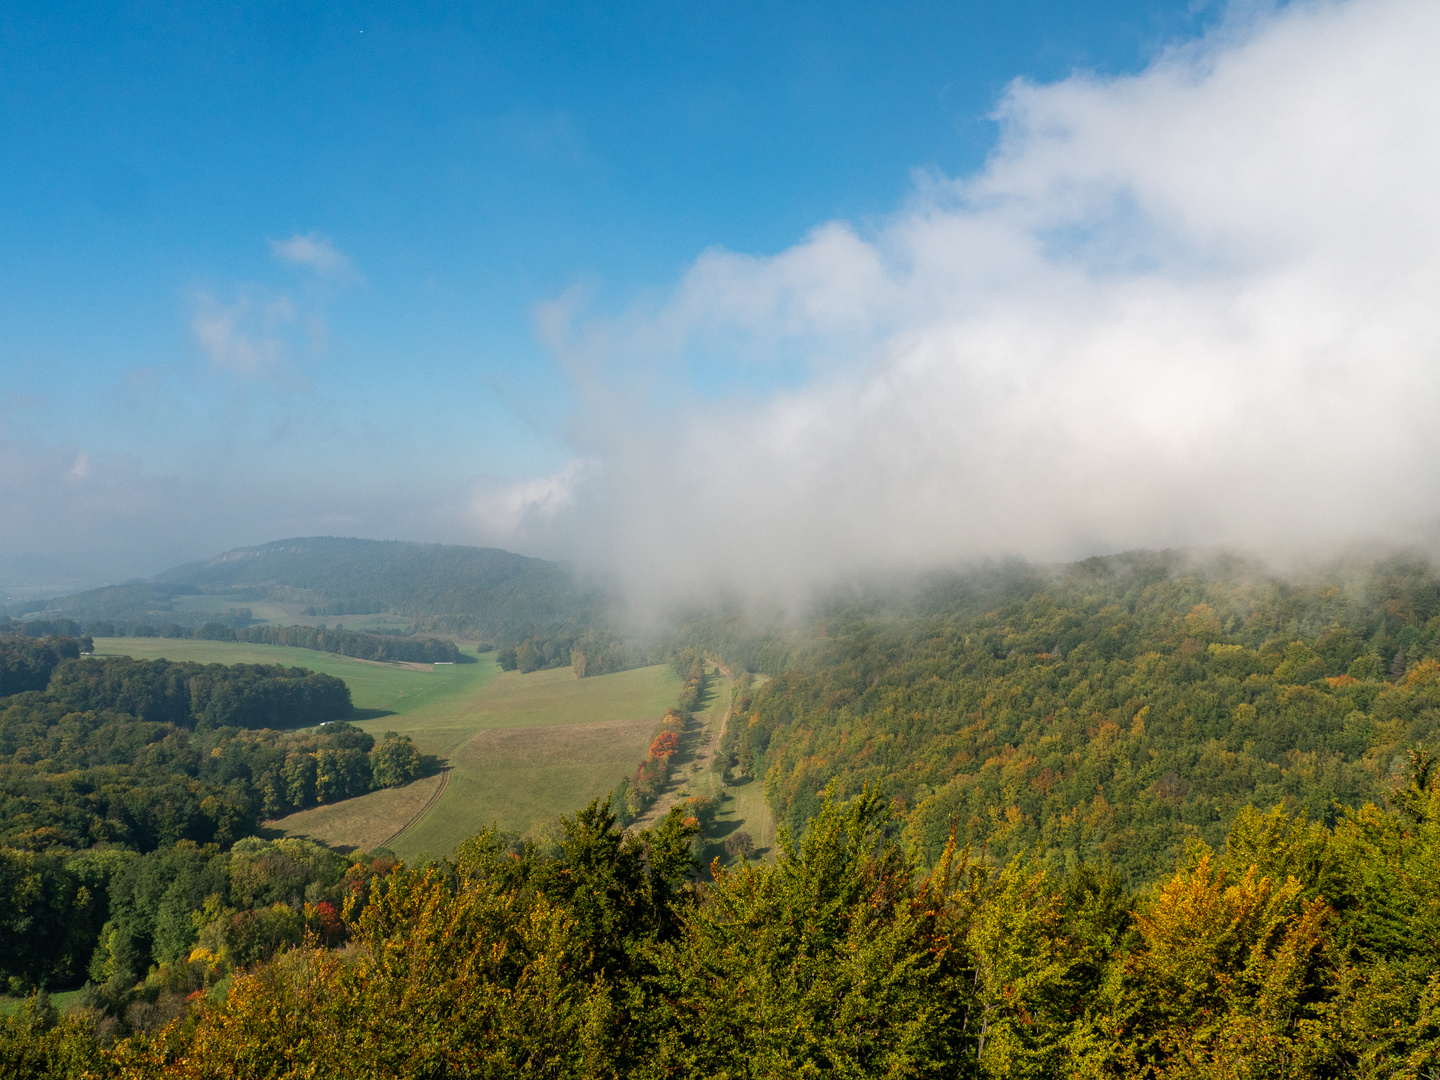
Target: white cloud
[
  {"x": 1193, "y": 305},
  {"x": 507, "y": 512},
  {"x": 318, "y": 253},
  {"x": 246, "y": 337}
]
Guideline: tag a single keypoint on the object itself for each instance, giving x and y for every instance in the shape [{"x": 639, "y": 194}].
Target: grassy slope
[
  {"x": 512, "y": 770},
  {"x": 393, "y": 688},
  {"x": 61, "y": 999},
  {"x": 362, "y": 824},
  {"x": 518, "y": 777},
  {"x": 515, "y": 751}
]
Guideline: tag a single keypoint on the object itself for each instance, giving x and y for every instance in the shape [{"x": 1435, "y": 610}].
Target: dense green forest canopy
[
  {"x": 1139, "y": 816},
  {"x": 1120, "y": 706},
  {"x": 1295, "y": 950},
  {"x": 201, "y": 696},
  {"x": 117, "y": 767},
  {"x": 145, "y": 753}
]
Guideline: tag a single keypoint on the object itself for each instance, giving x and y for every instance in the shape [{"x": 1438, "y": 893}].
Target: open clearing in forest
[
  {"x": 61, "y": 999},
  {"x": 741, "y": 803},
  {"x": 518, "y": 748},
  {"x": 539, "y": 768},
  {"x": 374, "y": 687},
  {"x": 272, "y": 612},
  {"x": 515, "y": 777}
]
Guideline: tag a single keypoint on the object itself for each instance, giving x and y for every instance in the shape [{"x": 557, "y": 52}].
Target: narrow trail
[
  {"x": 444, "y": 758},
  {"x": 719, "y": 739},
  {"x": 429, "y": 804}
]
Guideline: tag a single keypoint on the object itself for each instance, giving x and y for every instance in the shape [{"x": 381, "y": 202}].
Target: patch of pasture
[
  {"x": 485, "y": 786},
  {"x": 61, "y": 999},
  {"x": 362, "y": 824},
  {"x": 393, "y": 688},
  {"x": 517, "y": 777},
  {"x": 212, "y": 604},
  {"x": 551, "y": 742},
  {"x": 539, "y": 699}
]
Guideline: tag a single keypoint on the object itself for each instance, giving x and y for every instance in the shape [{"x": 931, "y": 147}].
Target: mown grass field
[
  {"x": 529, "y": 747},
  {"x": 392, "y": 688},
  {"x": 518, "y": 778},
  {"x": 518, "y": 748}
]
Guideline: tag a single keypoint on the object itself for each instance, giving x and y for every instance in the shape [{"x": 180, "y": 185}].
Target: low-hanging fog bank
[{"x": 1197, "y": 305}]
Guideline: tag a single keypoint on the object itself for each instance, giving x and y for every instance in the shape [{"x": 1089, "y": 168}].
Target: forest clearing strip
[{"x": 702, "y": 743}]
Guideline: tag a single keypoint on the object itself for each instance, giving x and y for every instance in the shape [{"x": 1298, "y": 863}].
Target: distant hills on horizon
[{"x": 477, "y": 591}]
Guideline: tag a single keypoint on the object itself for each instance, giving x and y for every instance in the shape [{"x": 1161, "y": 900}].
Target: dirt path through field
[{"x": 434, "y": 798}]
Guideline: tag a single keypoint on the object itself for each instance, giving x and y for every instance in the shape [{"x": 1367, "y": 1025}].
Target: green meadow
[
  {"x": 62, "y": 1000},
  {"x": 515, "y": 749},
  {"x": 527, "y": 747},
  {"x": 390, "y": 688}
]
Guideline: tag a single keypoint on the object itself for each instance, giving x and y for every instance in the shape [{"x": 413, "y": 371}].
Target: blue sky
[{"x": 269, "y": 269}]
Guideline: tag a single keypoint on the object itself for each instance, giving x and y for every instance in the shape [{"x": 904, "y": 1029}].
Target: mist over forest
[
  {"x": 754, "y": 541},
  {"x": 1214, "y": 330}
]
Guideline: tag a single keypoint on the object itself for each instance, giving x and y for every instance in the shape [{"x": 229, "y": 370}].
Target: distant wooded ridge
[{"x": 482, "y": 593}]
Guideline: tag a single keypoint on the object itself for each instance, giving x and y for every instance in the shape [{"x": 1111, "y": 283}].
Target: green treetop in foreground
[{"x": 1296, "y": 950}]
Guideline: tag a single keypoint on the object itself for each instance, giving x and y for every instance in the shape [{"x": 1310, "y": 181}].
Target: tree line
[
  {"x": 200, "y": 696},
  {"x": 363, "y": 646},
  {"x": 147, "y": 753},
  {"x": 636, "y": 793},
  {"x": 1295, "y": 949},
  {"x": 589, "y": 652},
  {"x": 359, "y": 644}
]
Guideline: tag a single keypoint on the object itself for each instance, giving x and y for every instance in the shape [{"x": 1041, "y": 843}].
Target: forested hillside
[
  {"x": 104, "y": 761},
  {"x": 541, "y": 614},
  {"x": 497, "y": 589},
  {"x": 1136, "y": 817},
  {"x": 1116, "y": 709},
  {"x": 485, "y": 593},
  {"x": 1293, "y": 951}
]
